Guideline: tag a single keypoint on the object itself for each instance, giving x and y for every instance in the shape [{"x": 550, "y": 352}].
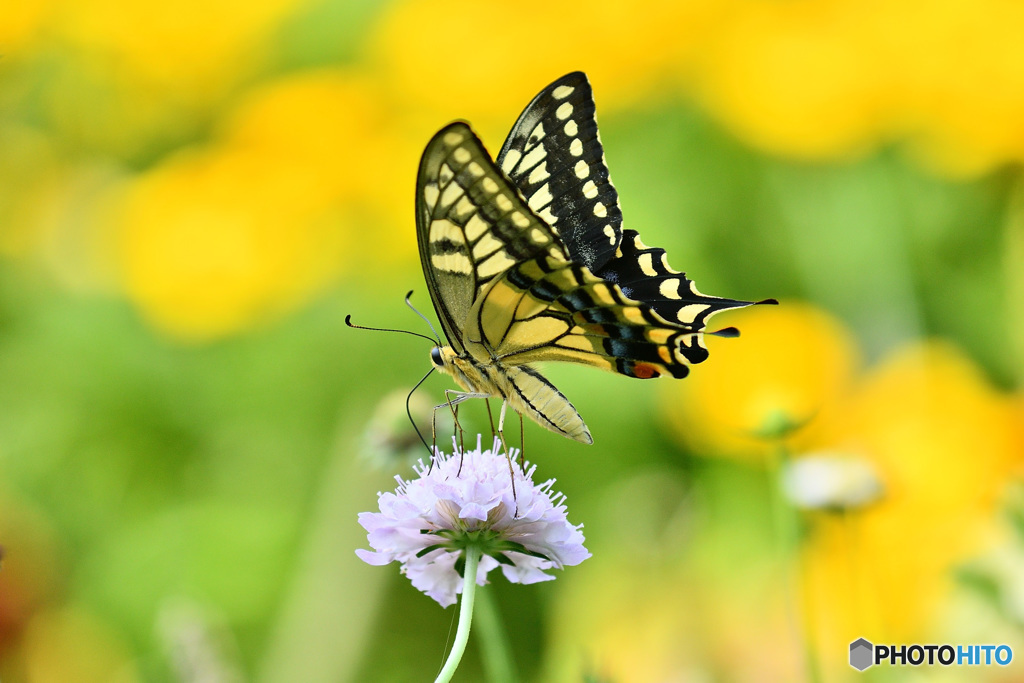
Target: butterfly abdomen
[
  {"x": 522, "y": 387},
  {"x": 530, "y": 394}
]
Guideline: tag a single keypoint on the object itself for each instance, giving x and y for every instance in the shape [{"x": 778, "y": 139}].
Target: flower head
[{"x": 467, "y": 499}]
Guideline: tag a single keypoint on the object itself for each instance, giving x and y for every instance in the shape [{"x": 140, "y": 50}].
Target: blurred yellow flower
[
  {"x": 791, "y": 362},
  {"x": 194, "y": 46},
  {"x": 22, "y": 24},
  {"x": 961, "y": 77},
  {"x": 800, "y": 78},
  {"x": 216, "y": 242},
  {"x": 926, "y": 401},
  {"x": 484, "y": 62},
  {"x": 827, "y": 79},
  {"x": 944, "y": 443},
  {"x": 221, "y": 238},
  {"x": 344, "y": 128},
  {"x": 795, "y": 77}
]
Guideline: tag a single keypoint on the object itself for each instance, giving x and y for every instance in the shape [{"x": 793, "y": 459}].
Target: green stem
[
  {"x": 497, "y": 658},
  {"x": 787, "y": 527},
  {"x": 465, "y": 616}
]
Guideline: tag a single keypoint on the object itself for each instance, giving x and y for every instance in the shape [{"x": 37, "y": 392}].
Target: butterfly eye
[{"x": 435, "y": 357}]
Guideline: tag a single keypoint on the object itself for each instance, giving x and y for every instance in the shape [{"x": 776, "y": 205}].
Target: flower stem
[
  {"x": 799, "y": 594},
  {"x": 465, "y": 616},
  {"x": 497, "y": 659}
]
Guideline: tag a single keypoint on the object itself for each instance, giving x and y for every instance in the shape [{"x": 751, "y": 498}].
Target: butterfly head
[
  {"x": 444, "y": 359},
  {"x": 463, "y": 370}
]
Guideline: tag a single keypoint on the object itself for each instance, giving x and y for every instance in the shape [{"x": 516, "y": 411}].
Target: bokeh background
[{"x": 194, "y": 194}]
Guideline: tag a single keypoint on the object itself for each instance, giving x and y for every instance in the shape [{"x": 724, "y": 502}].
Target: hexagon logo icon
[{"x": 861, "y": 654}]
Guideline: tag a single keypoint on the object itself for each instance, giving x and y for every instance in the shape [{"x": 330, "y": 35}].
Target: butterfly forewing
[
  {"x": 472, "y": 225},
  {"x": 554, "y": 157}
]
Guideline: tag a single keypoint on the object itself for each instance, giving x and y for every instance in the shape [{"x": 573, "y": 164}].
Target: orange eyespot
[{"x": 644, "y": 371}]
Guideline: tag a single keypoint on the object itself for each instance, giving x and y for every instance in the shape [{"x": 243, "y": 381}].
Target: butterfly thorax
[{"x": 522, "y": 387}]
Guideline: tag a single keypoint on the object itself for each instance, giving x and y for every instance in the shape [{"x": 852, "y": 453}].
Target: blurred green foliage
[{"x": 175, "y": 502}]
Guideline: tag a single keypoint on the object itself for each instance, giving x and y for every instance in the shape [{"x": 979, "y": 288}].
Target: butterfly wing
[
  {"x": 516, "y": 276},
  {"x": 551, "y": 309},
  {"x": 554, "y": 156},
  {"x": 471, "y": 226}
]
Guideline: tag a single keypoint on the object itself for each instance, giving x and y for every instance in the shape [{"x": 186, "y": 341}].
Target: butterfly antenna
[
  {"x": 425, "y": 319},
  {"x": 408, "y": 411},
  {"x": 348, "y": 321}
]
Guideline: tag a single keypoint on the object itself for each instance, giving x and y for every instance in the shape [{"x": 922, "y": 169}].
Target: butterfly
[{"x": 526, "y": 261}]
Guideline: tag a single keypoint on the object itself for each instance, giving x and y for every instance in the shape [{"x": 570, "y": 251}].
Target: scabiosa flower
[{"x": 467, "y": 500}]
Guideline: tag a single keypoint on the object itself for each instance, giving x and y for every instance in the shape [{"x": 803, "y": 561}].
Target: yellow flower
[
  {"x": 190, "y": 45},
  {"x": 790, "y": 363},
  {"x": 484, "y": 62},
  {"x": 795, "y": 77},
  {"x": 944, "y": 443},
  {"x": 22, "y": 24},
  {"x": 344, "y": 127},
  {"x": 218, "y": 239},
  {"x": 961, "y": 67},
  {"x": 941, "y": 440},
  {"x": 830, "y": 79}
]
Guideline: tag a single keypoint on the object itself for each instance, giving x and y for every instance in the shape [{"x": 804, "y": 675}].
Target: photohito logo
[
  {"x": 864, "y": 654},
  {"x": 861, "y": 654}
]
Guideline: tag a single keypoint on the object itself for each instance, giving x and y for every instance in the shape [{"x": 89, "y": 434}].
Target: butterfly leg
[
  {"x": 490, "y": 418},
  {"x": 452, "y": 400},
  {"x": 522, "y": 441},
  {"x": 501, "y": 435}
]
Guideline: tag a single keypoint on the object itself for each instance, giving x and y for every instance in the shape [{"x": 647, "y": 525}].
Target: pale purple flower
[{"x": 428, "y": 522}]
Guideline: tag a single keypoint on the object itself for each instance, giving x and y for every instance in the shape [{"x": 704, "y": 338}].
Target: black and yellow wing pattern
[{"x": 526, "y": 261}]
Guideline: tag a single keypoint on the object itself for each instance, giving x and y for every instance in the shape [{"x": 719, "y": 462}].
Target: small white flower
[
  {"x": 831, "y": 481},
  {"x": 427, "y": 523}
]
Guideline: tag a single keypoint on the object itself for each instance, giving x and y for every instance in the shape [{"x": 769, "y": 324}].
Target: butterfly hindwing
[
  {"x": 554, "y": 157},
  {"x": 549, "y": 309},
  {"x": 643, "y": 273}
]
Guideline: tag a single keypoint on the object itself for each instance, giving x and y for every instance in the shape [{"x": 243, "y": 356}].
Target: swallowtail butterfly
[{"x": 526, "y": 261}]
